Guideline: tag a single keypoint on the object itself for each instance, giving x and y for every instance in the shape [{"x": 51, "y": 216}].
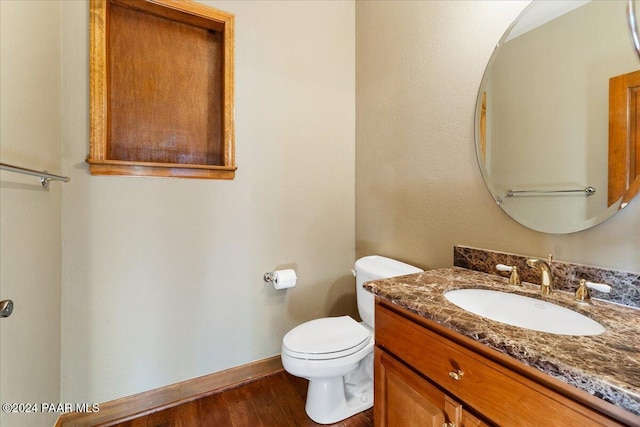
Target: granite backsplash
[{"x": 566, "y": 275}]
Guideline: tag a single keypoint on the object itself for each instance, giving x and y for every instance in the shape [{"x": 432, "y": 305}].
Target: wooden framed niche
[{"x": 161, "y": 89}]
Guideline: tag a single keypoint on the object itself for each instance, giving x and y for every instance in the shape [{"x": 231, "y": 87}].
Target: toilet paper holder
[{"x": 281, "y": 279}]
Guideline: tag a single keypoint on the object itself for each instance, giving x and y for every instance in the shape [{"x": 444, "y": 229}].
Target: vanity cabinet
[
  {"x": 428, "y": 375},
  {"x": 404, "y": 398}
]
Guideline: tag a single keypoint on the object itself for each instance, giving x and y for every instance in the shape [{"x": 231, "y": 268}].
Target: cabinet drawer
[{"x": 505, "y": 397}]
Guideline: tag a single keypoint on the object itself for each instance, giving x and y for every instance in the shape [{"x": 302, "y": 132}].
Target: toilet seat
[{"x": 326, "y": 338}]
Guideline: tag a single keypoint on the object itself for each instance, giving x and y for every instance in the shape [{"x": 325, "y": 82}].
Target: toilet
[{"x": 336, "y": 353}]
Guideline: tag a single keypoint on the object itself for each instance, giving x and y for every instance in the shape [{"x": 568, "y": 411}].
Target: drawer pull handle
[
  {"x": 448, "y": 425},
  {"x": 456, "y": 375}
]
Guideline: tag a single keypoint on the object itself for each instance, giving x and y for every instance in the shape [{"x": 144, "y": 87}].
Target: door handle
[{"x": 6, "y": 308}]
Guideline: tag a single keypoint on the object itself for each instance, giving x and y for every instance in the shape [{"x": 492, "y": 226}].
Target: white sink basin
[{"x": 525, "y": 312}]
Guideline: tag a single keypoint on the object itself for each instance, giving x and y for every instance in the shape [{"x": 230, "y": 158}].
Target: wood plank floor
[{"x": 274, "y": 401}]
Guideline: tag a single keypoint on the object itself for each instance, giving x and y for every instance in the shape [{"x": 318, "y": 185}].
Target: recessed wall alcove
[{"x": 161, "y": 75}]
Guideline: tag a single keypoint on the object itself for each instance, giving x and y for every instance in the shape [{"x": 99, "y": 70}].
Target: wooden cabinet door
[{"x": 405, "y": 399}]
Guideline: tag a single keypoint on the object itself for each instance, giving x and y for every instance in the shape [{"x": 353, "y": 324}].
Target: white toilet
[{"x": 336, "y": 353}]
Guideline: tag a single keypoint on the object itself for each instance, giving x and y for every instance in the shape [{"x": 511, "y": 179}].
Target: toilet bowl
[
  {"x": 336, "y": 353},
  {"x": 324, "y": 351}
]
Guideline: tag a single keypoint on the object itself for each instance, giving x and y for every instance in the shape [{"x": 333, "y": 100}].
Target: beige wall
[
  {"x": 30, "y": 225},
  {"x": 418, "y": 186},
  {"x": 162, "y": 278}
]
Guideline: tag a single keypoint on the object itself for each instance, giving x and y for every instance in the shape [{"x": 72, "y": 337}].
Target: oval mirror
[{"x": 549, "y": 153}]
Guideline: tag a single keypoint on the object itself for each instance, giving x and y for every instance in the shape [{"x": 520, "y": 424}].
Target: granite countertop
[{"x": 605, "y": 365}]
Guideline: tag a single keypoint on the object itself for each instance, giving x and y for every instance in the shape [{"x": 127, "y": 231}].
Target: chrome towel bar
[
  {"x": 588, "y": 191},
  {"x": 45, "y": 177}
]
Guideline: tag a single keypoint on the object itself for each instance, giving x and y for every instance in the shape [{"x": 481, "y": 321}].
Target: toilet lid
[{"x": 326, "y": 338}]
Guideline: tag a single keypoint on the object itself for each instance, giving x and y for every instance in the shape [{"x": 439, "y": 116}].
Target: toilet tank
[{"x": 376, "y": 267}]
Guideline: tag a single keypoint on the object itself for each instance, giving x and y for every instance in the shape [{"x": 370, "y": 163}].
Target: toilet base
[
  {"x": 329, "y": 401},
  {"x": 334, "y": 399}
]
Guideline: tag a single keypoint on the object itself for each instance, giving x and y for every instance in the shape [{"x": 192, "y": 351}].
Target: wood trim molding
[{"x": 145, "y": 403}]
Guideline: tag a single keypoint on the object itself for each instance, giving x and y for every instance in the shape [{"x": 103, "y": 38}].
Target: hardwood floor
[{"x": 274, "y": 401}]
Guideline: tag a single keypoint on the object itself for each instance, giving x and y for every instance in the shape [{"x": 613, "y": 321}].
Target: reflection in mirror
[
  {"x": 624, "y": 141},
  {"x": 542, "y": 118}
]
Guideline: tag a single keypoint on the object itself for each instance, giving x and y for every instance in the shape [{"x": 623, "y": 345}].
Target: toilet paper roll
[{"x": 283, "y": 279}]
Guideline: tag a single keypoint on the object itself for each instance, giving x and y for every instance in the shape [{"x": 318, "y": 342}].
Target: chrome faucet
[{"x": 546, "y": 278}]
